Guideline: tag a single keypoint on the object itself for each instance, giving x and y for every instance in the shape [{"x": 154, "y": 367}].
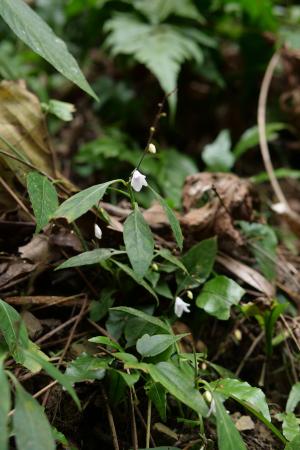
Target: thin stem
[{"x": 148, "y": 423}]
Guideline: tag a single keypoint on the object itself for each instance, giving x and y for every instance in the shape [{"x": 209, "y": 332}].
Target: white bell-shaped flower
[
  {"x": 138, "y": 180},
  {"x": 181, "y": 307},
  {"x": 97, "y": 231}
]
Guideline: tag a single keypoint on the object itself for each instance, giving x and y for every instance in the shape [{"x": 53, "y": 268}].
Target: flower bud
[
  {"x": 238, "y": 334},
  {"x": 190, "y": 295},
  {"x": 97, "y": 231},
  {"x": 208, "y": 397},
  {"x": 152, "y": 148},
  {"x": 155, "y": 267}
]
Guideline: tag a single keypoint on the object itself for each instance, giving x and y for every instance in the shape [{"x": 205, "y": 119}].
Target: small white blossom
[
  {"x": 98, "y": 231},
  {"x": 190, "y": 295},
  {"x": 138, "y": 180},
  {"x": 152, "y": 149},
  {"x": 181, "y": 307},
  {"x": 208, "y": 397},
  {"x": 279, "y": 208}
]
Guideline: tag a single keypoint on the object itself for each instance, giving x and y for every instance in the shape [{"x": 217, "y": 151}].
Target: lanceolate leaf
[
  {"x": 294, "y": 398},
  {"x": 87, "y": 258},
  {"x": 240, "y": 390},
  {"x": 31, "y": 426},
  {"x": 157, "y": 394},
  {"x": 139, "y": 242},
  {"x": 4, "y": 407},
  {"x": 138, "y": 280},
  {"x": 80, "y": 203},
  {"x": 143, "y": 316},
  {"x": 43, "y": 198},
  {"x": 178, "y": 384},
  {"x": 228, "y": 436},
  {"x": 218, "y": 295},
  {"x": 32, "y": 30},
  {"x": 174, "y": 223},
  {"x": 148, "y": 346},
  {"x": 13, "y": 330}
]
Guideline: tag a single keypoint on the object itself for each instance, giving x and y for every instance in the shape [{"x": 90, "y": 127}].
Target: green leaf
[
  {"x": 138, "y": 241},
  {"x": 99, "y": 308},
  {"x": 80, "y": 203},
  {"x": 173, "y": 221},
  {"x": 106, "y": 341},
  {"x": 294, "y": 398},
  {"x": 62, "y": 110},
  {"x": 143, "y": 316},
  {"x": 242, "y": 391},
  {"x": 199, "y": 261},
  {"x": 43, "y": 198},
  {"x": 13, "y": 330},
  {"x": 54, "y": 373},
  {"x": 178, "y": 384},
  {"x": 168, "y": 256},
  {"x": 228, "y": 436},
  {"x": 263, "y": 242},
  {"x": 218, "y": 295},
  {"x": 148, "y": 346},
  {"x": 157, "y": 394},
  {"x": 87, "y": 367},
  {"x": 31, "y": 426},
  {"x": 294, "y": 444},
  {"x": 133, "y": 275},
  {"x": 290, "y": 425},
  {"x": 162, "y": 48},
  {"x": 217, "y": 156},
  {"x": 159, "y": 10},
  {"x": 32, "y": 30},
  {"x": 250, "y": 138},
  {"x": 4, "y": 406},
  {"x": 87, "y": 258}
]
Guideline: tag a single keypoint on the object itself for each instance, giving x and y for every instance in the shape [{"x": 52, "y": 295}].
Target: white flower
[
  {"x": 152, "y": 149},
  {"x": 190, "y": 295},
  {"x": 181, "y": 307},
  {"x": 138, "y": 180},
  {"x": 98, "y": 231}
]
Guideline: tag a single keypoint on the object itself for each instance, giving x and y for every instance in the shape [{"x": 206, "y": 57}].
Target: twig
[
  {"x": 261, "y": 120},
  {"x": 148, "y": 423},
  {"x": 285, "y": 323},
  {"x": 135, "y": 443},
  {"x": 137, "y": 410},
  {"x": 16, "y": 198},
  {"x": 110, "y": 420}
]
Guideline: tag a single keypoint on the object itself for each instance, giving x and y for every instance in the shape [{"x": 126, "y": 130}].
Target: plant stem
[{"x": 148, "y": 423}]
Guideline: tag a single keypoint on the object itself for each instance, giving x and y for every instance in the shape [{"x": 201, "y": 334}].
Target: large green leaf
[
  {"x": 294, "y": 444},
  {"x": 179, "y": 384},
  {"x": 80, "y": 203},
  {"x": 54, "y": 373},
  {"x": 149, "y": 346},
  {"x": 199, "y": 262},
  {"x": 290, "y": 425},
  {"x": 87, "y": 367},
  {"x": 218, "y": 295},
  {"x": 87, "y": 258},
  {"x": 173, "y": 221},
  {"x": 294, "y": 398},
  {"x": 228, "y": 436},
  {"x": 139, "y": 242},
  {"x": 32, "y": 30},
  {"x": 161, "y": 47},
  {"x": 31, "y": 426},
  {"x": 242, "y": 391},
  {"x": 4, "y": 407},
  {"x": 217, "y": 156},
  {"x": 13, "y": 330},
  {"x": 43, "y": 198}
]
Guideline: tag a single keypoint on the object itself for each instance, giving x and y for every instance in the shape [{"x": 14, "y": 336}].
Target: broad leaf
[
  {"x": 173, "y": 221},
  {"x": 13, "y": 330},
  {"x": 159, "y": 10},
  {"x": 4, "y": 407},
  {"x": 143, "y": 316},
  {"x": 32, "y": 30},
  {"x": 294, "y": 444},
  {"x": 218, "y": 295},
  {"x": 217, "y": 156},
  {"x": 80, "y": 203},
  {"x": 87, "y": 258},
  {"x": 55, "y": 373},
  {"x": 31, "y": 426},
  {"x": 242, "y": 391},
  {"x": 290, "y": 425},
  {"x": 178, "y": 384},
  {"x": 294, "y": 398},
  {"x": 199, "y": 262},
  {"x": 149, "y": 346},
  {"x": 228, "y": 436},
  {"x": 43, "y": 198},
  {"x": 87, "y": 367},
  {"x": 138, "y": 241}
]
